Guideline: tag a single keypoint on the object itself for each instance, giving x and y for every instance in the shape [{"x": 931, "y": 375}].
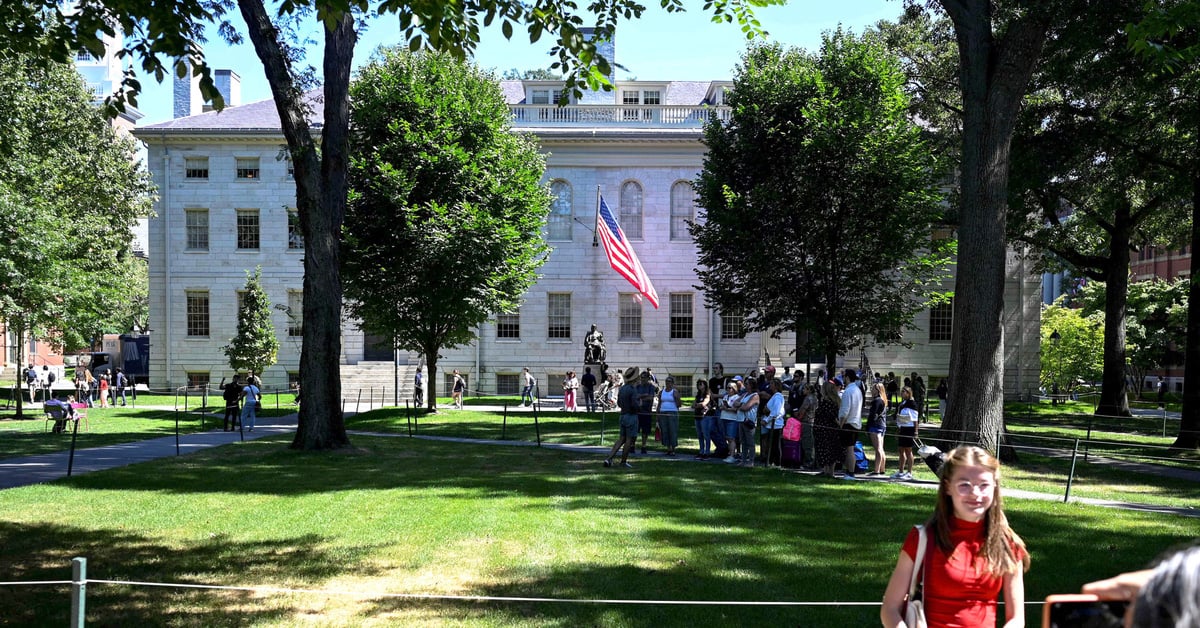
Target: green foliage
[
  {"x": 255, "y": 346},
  {"x": 70, "y": 192},
  {"x": 443, "y": 225},
  {"x": 820, "y": 197},
  {"x": 1077, "y": 355},
  {"x": 1156, "y": 324}
]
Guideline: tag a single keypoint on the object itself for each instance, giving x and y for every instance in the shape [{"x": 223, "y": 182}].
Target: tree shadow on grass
[{"x": 44, "y": 552}]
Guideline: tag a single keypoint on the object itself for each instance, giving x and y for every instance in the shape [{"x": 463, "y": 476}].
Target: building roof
[{"x": 255, "y": 116}]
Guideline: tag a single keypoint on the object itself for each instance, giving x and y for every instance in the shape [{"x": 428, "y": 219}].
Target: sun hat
[{"x": 631, "y": 372}]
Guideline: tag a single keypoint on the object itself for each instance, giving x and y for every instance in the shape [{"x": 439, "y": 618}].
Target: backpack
[
  {"x": 50, "y": 377},
  {"x": 791, "y": 429},
  {"x": 860, "y": 457}
]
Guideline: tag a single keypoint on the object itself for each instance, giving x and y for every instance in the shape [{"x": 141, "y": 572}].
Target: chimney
[
  {"x": 186, "y": 92},
  {"x": 230, "y": 85},
  {"x": 606, "y": 48}
]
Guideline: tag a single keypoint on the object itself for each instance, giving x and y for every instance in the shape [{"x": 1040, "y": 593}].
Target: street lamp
[{"x": 1054, "y": 338}]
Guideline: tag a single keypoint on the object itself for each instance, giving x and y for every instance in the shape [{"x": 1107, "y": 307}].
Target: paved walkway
[{"x": 16, "y": 472}]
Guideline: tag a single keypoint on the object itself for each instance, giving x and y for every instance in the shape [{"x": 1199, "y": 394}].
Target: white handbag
[{"x": 914, "y": 609}]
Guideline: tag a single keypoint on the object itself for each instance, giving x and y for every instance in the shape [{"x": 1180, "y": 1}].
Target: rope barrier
[{"x": 34, "y": 582}]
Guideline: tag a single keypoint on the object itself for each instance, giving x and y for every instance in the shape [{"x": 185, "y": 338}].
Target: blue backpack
[{"x": 860, "y": 457}]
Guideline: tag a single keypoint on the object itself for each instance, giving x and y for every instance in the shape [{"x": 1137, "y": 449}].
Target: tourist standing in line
[
  {"x": 730, "y": 421},
  {"x": 826, "y": 426},
  {"x": 700, "y": 412},
  {"x": 627, "y": 402},
  {"x": 104, "y": 390},
  {"x": 748, "y": 415},
  {"x": 772, "y": 430},
  {"x": 877, "y": 427},
  {"x": 588, "y": 381},
  {"x": 807, "y": 415},
  {"x": 646, "y": 392},
  {"x": 972, "y": 555},
  {"x": 119, "y": 388},
  {"x": 850, "y": 420},
  {"x": 668, "y": 415},
  {"x": 907, "y": 419},
  {"x": 418, "y": 388},
  {"x": 231, "y": 392}
]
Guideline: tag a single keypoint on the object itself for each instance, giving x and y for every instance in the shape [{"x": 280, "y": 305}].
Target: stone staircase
[{"x": 375, "y": 382}]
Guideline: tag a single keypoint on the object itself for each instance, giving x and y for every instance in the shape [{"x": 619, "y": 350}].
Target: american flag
[{"x": 620, "y": 253}]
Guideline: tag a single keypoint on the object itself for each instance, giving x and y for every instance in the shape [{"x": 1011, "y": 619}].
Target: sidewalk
[
  {"x": 16, "y": 472},
  {"x": 28, "y": 470}
]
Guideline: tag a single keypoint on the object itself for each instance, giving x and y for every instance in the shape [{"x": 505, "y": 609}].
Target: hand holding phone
[{"x": 1083, "y": 610}]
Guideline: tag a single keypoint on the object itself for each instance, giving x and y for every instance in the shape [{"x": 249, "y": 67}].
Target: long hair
[
  {"x": 1002, "y": 548},
  {"x": 829, "y": 390},
  {"x": 881, "y": 393},
  {"x": 1171, "y": 597}
]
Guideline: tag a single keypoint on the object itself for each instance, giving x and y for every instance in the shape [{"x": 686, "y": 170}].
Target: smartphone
[{"x": 1082, "y": 611}]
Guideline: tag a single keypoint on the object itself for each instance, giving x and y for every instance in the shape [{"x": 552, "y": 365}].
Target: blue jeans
[
  {"x": 527, "y": 393},
  {"x": 704, "y": 430},
  {"x": 589, "y": 399},
  {"x": 248, "y": 414}
]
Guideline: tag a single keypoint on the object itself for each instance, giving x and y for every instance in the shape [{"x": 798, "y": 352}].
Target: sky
[{"x": 658, "y": 47}]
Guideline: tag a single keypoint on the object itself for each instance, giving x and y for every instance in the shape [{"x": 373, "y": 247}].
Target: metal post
[
  {"x": 357, "y": 400},
  {"x": 71, "y": 457},
  {"x": 1071, "y": 477},
  {"x": 603, "y": 413},
  {"x": 1163, "y": 411},
  {"x": 78, "y": 591},
  {"x": 176, "y": 431},
  {"x": 536, "y": 427},
  {"x": 1086, "y": 447},
  {"x": 408, "y": 414},
  {"x": 504, "y": 424}
]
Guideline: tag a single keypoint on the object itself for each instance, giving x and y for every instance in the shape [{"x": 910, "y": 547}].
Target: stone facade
[{"x": 646, "y": 136}]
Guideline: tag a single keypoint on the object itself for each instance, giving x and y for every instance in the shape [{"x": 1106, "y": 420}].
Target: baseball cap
[
  {"x": 838, "y": 380},
  {"x": 737, "y": 378}
]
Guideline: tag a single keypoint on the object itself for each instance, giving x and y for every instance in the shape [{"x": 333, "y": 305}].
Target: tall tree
[
  {"x": 70, "y": 191},
  {"x": 998, "y": 46},
  {"x": 173, "y": 31},
  {"x": 1072, "y": 343},
  {"x": 434, "y": 159},
  {"x": 1169, "y": 35},
  {"x": 1083, "y": 188},
  {"x": 820, "y": 164},
  {"x": 255, "y": 347}
]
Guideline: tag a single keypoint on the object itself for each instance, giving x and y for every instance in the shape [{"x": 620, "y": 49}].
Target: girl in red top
[{"x": 971, "y": 554}]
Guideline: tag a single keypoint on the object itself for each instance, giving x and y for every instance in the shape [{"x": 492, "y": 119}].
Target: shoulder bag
[{"x": 914, "y": 607}]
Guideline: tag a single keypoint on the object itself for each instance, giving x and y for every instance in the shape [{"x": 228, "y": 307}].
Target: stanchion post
[
  {"x": 603, "y": 413},
  {"x": 357, "y": 401},
  {"x": 1086, "y": 444},
  {"x": 504, "y": 423},
  {"x": 78, "y": 591},
  {"x": 1071, "y": 476},
  {"x": 176, "y": 431},
  {"x": 536, "y": 427},
  {"x": 1163, "y": 412},
  {"x": 71, "y": 457}
]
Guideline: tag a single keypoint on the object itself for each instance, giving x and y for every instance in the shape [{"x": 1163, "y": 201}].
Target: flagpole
[{"x": 596, "y": 230}]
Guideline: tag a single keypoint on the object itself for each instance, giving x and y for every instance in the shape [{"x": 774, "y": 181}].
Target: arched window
[
  {"x": 631, "y": 210},
  {"x": 683, "y": 209},
  {"x": 558, "y": 224}
]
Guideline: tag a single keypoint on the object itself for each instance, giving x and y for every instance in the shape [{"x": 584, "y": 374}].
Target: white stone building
[{"x": 226, "y": 204}]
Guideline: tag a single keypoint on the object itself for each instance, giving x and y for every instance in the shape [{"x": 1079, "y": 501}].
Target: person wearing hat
[
  {"x": 730, "y": 421},
  {"x": 627, "y": 402}
]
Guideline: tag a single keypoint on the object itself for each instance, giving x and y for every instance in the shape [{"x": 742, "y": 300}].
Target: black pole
[
  {"x": 177, "y": 428},
  {"x": 1071, "y": 477},
  {"x": 71, "y": 456},
  {"x": 1089, "y": 437},
  {"x": 504, "y": 424}
]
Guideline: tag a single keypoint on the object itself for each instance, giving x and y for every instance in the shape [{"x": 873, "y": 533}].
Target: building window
[
  {"x": 683, "y": 383},
  {"x": 559, "y": 315},
  {"x": 291, "y": 168},
  {"x": 295, "y": 312},
  {"x": 295, "y": 239},
  {"x": 247, "y": 229},
  {"x": 508, "y": 384},
  {"x": 83, "y": 55},
  {"x": 683, "y": 208},
  {"x": 941, "y": 320},
  {"x": 629, "y": 316},
  {"x": 195, "y": 167},
  {"x": 197, "y": 229},
  {"x": 293, "y": 380},
  {"x": 247, "y": 168},
  {"x": 508, "y": 325},
  {"x": 198, "y": 380},
  {"x": 558, "y": 225},
  {"x": 652, "y": 97},
  {"x": 239, "y": 301},
  {"x": 197, "y": 314},
  {"x": 631, "y": 210},
  {"x": 544, "y": 96},
  {"x": 733, "y": 326},
  {"x": 682, "y": 325}
]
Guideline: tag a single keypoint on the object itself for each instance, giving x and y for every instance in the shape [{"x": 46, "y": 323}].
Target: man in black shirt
[{"x": 588, "y": 381}]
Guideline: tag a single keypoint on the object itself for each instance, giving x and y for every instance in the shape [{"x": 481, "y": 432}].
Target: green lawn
[{"x": 411, "y": 516}]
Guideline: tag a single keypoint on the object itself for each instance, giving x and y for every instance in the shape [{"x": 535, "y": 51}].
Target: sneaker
[
  {"x": 626, "y": 465},
  {"x": 907, "y": 475},
  {"x": 849, "y": 476},
  {"x": 731, "y": 460},
  {"x": 899, "y": 475},
  {"x": 608, "y": 462}
]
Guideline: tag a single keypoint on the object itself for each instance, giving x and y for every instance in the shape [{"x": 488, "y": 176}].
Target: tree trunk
[
  {"x": 994, "y": 74},
  {"x": 20, "y": 328},
  {"x": 321, "y": 203},
  {"x": 1113, "y": 400},
  {"x": 431, "y": 357},
  {"x": 1189, "y": 425}
]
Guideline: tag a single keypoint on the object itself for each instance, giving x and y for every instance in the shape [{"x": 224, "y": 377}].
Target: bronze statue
[{"x": 594, "y": 351}]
